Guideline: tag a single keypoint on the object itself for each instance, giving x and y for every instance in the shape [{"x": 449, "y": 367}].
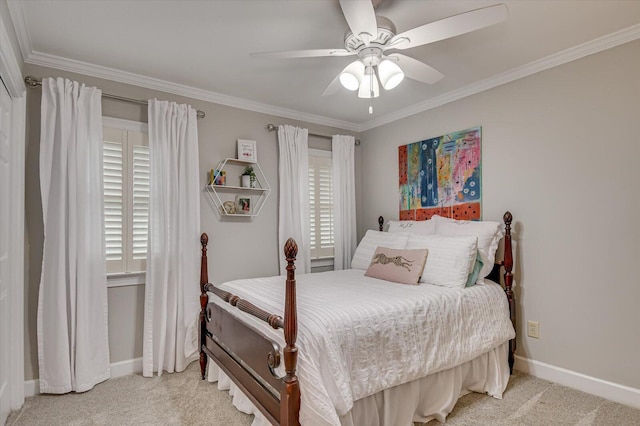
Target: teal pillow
[{"x": 473, "y": 276}]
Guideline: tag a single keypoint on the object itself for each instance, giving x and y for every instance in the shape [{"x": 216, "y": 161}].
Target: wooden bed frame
[{"x": 250, "y": 359}]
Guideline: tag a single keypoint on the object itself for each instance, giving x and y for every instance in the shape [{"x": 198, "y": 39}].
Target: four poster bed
[{"x": 366, "y": 351}]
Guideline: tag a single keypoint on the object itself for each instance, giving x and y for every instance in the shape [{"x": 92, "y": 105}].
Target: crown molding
[
  {"x": 85, "y": 68},
  {"x": 10, "y": 69},
  {"x": 20, "y": 25},
  {"x": 594, "y": 46}
]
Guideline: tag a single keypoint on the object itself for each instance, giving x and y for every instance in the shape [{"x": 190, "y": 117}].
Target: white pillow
[
  {"x": 450, "y": 258},
  {"x": 374, "y": 239},
  {"x": 488, "y": 234},
  {"x": 414, "y": 227}
]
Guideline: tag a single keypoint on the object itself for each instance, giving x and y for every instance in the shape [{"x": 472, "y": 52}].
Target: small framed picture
[
  {"x": 243, "y": 205},
  {"x": 247, "y": 150}
]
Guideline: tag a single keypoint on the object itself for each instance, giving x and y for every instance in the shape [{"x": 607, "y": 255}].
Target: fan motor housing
[
  {"x": 371, "y": 55},
  {"x": 386, "y": 31}
]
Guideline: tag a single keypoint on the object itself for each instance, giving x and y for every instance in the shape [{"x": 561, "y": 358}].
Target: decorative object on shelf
[
  {"x": 442, "y": 176},
  {"x": 220, "y": 177},
  {"x": 247, "y": 150},
  {"x": 243, "y": 204},
  {"x": 225, "y": 195},
  {"x": 228, "y": 207},
  {"x": 217, "y": 177},
  {"x": 248, "y": 177}
]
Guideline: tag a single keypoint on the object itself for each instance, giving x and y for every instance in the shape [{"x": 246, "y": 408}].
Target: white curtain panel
[
  {"x": 344, "y": 200},
  {"x": 173, "y": 259},
  {"x": 73, "y": 346},
  {"x": 293, "y": 212}
]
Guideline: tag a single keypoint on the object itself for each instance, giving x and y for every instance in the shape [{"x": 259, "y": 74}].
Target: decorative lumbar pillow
[
  {"x": 374, "y": 239},
  {"x": 414, "y": 227},
  {"x": 398, "y": 266},
  {"x": 477, "y": 267},
  {"x": 488, "y": 234},
  {"x": 451, "y": 258}
]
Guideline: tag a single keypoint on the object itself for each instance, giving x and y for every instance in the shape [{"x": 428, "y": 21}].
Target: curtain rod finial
[{"x": 32, "y": 81}]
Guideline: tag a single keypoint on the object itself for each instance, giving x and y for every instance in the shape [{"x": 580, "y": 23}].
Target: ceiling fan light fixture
[
  {"x": 351, "y": 76},
  {"x": 349, "y": 81},
  {"x": 390, "y": 74}
]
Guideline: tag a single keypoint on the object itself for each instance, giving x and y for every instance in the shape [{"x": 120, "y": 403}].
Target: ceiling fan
[{"x": 371, "y": 36}]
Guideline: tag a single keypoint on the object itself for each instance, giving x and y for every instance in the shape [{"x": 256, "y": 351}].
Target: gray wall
[
  {"x": 238, "y": 247},
  {"x": 560, "y": 151}
]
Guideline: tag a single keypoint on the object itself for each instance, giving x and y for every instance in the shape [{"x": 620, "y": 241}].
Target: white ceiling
[{"x": 201, "y": 48}]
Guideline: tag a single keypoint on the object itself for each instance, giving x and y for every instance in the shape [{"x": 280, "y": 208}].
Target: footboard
[{"x": 245, "y": 355}]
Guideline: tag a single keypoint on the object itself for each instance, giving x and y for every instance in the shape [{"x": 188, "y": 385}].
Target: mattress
[{"x": 358, "y": 335}]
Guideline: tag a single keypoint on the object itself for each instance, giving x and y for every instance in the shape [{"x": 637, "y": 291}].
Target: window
[
  {"x": 320, "y": 204},
  {"x": 126, "y": 195}
]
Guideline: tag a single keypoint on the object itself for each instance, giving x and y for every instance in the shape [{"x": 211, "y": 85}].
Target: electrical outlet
[{"x": 533, "y": 329}]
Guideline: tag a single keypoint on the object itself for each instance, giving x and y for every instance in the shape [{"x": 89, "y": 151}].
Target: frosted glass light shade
[
  {"x": 369, "y": 87},
  {"x": 390, "y": 74},
  {"x": 351, "y": 76}
]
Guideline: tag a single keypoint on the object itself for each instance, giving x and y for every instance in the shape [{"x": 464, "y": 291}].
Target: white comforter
[{"x": 359, "y": 335}]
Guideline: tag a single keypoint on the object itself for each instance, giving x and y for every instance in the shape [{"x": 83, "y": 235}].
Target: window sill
[
  {"x": 125, "y": 279},
  {"x": 321, "y": 262}
]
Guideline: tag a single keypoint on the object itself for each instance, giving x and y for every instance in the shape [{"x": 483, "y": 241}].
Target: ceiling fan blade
[
  {"x": 416, "y": 70},
  {"x": 309, "y": 53},
  {"x": 333, "y": 87},
  {"x": 361, "y": 18},
  {"x": 450, "y": 27}
]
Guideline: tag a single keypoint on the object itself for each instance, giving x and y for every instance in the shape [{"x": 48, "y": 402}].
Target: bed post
[
  {"x": 204, "y": 279},
  {"x": 508, "y": 282},
  {"x": 290, "y": 394},
  {"x": 381, "y": 223}
]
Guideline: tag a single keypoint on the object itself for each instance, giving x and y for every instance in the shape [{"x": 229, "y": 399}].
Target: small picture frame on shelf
[
  {"x": 247, "y": 150},
  {"x": 243, "y": 205}
]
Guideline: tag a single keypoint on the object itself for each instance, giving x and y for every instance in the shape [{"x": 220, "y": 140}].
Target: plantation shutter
[
  {"x": 312, "y": 207},
  {"x": 114, "y": 198},
  {"x": 321, "y": 204},
  {"x": 139, "y": 212},
  {"x": 126, "y": 199}
]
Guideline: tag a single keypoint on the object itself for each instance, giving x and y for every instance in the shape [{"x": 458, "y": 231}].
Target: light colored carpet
[{"x": 183, "y": 399}]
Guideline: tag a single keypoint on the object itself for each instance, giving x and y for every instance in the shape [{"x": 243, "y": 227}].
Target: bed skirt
[{"x": 422, "y": 400}]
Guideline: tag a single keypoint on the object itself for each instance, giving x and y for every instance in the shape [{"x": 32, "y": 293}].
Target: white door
[{"x": 5, "y": 227}]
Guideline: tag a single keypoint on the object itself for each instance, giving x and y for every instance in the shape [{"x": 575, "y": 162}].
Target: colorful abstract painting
[{"x": 442, "y": 176}]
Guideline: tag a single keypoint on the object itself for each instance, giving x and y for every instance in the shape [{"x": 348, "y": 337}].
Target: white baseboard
[
  {"x": 31, "y": 388},
  {"x": 609, "y": 390},
  {"x": 125, "y": 368},
  {"x": 118, "y": 369}
]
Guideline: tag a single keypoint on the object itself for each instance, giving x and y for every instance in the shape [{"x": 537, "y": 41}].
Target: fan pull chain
[{"x": 371, "y": 92}]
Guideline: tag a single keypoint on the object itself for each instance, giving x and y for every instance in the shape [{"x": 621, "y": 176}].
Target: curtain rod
[
  {"x": 272, "y": 127},
  {"x": 34, "y": 82}
]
